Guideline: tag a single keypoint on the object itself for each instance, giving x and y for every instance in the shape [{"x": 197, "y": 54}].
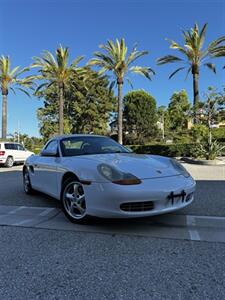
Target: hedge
[{"x": 171, "y": 150}]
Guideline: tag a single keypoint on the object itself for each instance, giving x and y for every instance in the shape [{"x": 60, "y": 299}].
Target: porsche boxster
[{"x": 95, "y": 176}]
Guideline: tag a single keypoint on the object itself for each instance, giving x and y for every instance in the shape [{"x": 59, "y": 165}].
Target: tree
[
  {"x": 87, "y": 108},
  {"x": 178, "y": 111},
  {"x": 195, "y": 56},
  {"x": 115, "y": 59},
  {"x": 56, "y": 71},
  {"x": 10, "y": 81},
  {"x": 214, "y": 104},
  {"x": 140, "y": 115}
]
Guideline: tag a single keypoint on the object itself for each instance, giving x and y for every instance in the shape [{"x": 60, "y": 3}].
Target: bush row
[{"x": 171, "y": 150}]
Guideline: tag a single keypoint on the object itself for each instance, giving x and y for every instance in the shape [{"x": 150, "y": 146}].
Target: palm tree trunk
[
  {"x": 61, "y": 110},
  {"x": 120, "y": 112},
  {"x": 4, "y": 116},
  {"x": 196, "y": 92}
]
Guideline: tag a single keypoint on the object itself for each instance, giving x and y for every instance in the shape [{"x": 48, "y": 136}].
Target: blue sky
[{"x": 29, "y": 26}]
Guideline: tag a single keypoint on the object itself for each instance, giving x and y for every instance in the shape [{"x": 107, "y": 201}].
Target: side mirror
[{"x": 50, "y": 153}]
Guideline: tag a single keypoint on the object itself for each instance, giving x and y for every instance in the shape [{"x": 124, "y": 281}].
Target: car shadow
[{"x": 12, "y": 193}]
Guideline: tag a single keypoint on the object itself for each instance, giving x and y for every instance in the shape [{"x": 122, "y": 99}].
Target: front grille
[{"x": 137, "y": 206}]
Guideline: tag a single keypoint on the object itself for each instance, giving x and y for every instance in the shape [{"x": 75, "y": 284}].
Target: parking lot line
[{"x": 186, "y": 227}]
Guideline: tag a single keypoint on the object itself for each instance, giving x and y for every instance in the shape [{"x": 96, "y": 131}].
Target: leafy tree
[
  {"x": 87, "y": 108},
  {"x": 198, "y": 132},
  {"x": 215, "y": 103},
  {"x": 195, "y": 56},
  {"x": 140, "y": 115},
  {"x": 115, "y": 59},
  {"x": 178, "y": 111},
  {"x": 56, "y": 71},
  {"x": 10, "y": 81}
]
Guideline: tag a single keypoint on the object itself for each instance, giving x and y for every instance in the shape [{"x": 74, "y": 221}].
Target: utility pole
[{"x": 18, "y": 132}]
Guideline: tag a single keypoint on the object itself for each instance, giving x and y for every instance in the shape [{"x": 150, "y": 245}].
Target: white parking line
[
  {"x": 16, "y": 210},
  {"x": 22, "y": 222},
  {"x": 194, "y": 235},
  {"x": 47, "y": 211}
]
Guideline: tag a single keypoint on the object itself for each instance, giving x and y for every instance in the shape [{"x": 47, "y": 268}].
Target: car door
[
  {"x": 21, "y": 152},
  {"x": 44, "y": 177},
  {"x": 11, "y": 151}
]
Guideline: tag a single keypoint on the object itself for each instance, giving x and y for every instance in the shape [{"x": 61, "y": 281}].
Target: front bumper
[{"x": 105, "y": 199}]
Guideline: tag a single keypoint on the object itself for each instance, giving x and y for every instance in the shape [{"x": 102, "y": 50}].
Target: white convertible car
[{"x": 95, "y": 176}]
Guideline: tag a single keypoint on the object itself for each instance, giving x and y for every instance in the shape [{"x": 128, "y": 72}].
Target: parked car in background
[
  {"x": 95, "y": 176},
  {"x": 12, "y": 153}
]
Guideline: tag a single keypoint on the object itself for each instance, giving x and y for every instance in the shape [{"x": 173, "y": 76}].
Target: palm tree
[
  {"x": 56, "y": 71},
  {"x": 10, "y": 81},
  {"x": 194, "y": 56},
  {"x": 116, "y": 60}
]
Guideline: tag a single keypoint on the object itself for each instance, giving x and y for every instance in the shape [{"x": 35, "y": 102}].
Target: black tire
[
  {"x": 72, "y": 214},
  {"x": 9, "y": 162},
  {"x": 27, "y": 187}
]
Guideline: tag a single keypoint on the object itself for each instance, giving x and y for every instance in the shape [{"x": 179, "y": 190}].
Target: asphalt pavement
[
  {"x": 43, "y": 256},
  {"x": 49, "y": 264}
]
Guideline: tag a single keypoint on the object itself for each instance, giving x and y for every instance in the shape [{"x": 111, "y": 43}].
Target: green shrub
[
  {"x": 198, "y": 133},
  {"x": 219, "y": 134},
  {"x": 171, "y": 150},
  {"x": 37, "y": 150},
  {"x": 177, "y": 150}
]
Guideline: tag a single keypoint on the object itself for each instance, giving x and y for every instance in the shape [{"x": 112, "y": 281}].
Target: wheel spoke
[
  {"x": 70, "y": 196},
  {"x": 75, "y": 189},
  {"x": 80, "y": 198},
  {"x": 81, "y": 209}
]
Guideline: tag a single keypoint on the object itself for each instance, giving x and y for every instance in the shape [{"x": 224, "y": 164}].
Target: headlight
[
  {"x": 179, "y": 168},
  {"x": 116, "y": 176}
]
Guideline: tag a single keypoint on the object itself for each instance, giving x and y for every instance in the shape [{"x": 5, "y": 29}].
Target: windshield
[{"x": 85, "y": 145}]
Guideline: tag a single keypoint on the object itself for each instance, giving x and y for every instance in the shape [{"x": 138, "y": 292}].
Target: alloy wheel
[{"x": 74, "y": 200}]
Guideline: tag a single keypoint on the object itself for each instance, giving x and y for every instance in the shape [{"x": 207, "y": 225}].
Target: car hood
[{"x": 140, "y": 165}]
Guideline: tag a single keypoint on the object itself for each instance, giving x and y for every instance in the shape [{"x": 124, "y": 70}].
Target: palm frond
[
  {"x": 176, "y": 71},
  {"x": 129, "y": 82},
  {"x": 217, "y": 51},
  {"x": 76, "y": 61},
  {"x": 13, "y": 90},
  {"x": 211, "y": 66},
  {"x": 188, "y": 72},
  {"x": 216, "y": 42},
  {"x": 40, "y": 87},
  {"x": 168, "y": 59},
  {"x": 144, "y": 71},
  {"x": 23, "y": 91},
  {"x": 111, "y": 86},
  {"x": 202, "y": 35},
  {"x": 134, "y": 55}
]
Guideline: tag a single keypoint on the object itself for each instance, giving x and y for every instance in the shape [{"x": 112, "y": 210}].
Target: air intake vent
[{"x": 137, "y": 206}]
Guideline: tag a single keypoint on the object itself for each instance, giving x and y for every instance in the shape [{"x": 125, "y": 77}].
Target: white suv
[{"x": 11, "y": 153}]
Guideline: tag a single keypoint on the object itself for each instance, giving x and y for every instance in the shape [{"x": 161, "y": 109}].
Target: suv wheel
[{"x": 9, "y": 162}]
